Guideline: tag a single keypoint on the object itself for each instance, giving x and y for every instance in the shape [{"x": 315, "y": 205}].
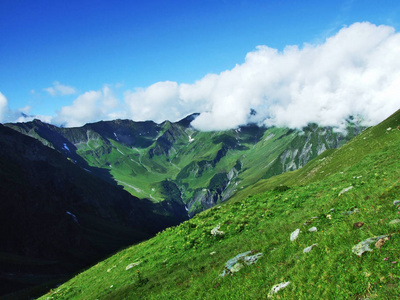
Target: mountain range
[
  {"x": 329, "y": 230},
  {"x": 71, "y": 196}
]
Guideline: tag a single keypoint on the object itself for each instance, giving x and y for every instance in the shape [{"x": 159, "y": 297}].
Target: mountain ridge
[{"x": 141, "y": 155}]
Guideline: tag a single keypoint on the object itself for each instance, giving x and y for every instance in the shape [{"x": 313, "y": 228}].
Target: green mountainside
[
  {"x": 329, "y": 230},
  {"x": 195, "y": 170}
]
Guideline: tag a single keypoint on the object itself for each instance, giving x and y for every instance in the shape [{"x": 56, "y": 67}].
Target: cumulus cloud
[
  {"x": 158, "y": 102},
  {"x": 59, "y": 89},
  {"x": 88, "y": 107},
  {"x": 355, "y": 72}
]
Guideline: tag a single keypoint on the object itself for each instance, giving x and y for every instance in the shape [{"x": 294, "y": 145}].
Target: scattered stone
[
  {"x": 395, "y": 221},
  {"x": 396, "y": 202},
  {"x": 358, "y": 225},
  {"x": 381, "y": 242},
  {"x": 345, "y": 190},
  {"x": 350, "y": 212},
  {"x": 363, "y": 246},
  {"x": 329, "y": 217},
  {"x": 216, "y": 232},
  {"x": 307, "y": 223},
  {"x": 314, "y": 217},
  {"x": 130, "y": 266},
  {"x": 212, "y": 253},
  {"x": 237, "y": 263},
  {"x": 308, "y": 249},
  {"x": 109, "y": 270},
  {"x": 313, "y": 229},
  {"x": 332, "y": 210},
  {"x": 278, "y": 287},
  {"x": 389, "y": 128},
  {"x": 294, "y": 235}
]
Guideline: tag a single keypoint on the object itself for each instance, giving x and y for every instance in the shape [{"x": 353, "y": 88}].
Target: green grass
[{"x": 177, "y": 263}]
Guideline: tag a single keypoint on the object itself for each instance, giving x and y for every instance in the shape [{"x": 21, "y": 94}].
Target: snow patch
[
  {"x": 116, "y": 136},
  {"x": 190, "y": 139},
  {"x": 66, "y": 147},
  {"x": 120, "y": 151},
  {"x": 269, "y": 137},
  {"x": 73, "y": 217}
]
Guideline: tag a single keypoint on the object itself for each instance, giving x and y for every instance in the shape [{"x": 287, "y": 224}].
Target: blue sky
[{"x": 103, "y": 55}]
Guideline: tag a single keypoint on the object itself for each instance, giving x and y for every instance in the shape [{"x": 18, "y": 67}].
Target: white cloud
[
  {"x": 88, "y": 107},
  {"x": 355, "y": 72},
  {"x": 158, "y": 102},
  {"x": 59, "y": 89},
  {"x": 3, "y": 107}
]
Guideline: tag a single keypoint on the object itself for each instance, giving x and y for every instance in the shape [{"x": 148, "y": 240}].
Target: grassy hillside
[
  {"x": 185, "y": 262},
  {"x": 56, "y": 218}
]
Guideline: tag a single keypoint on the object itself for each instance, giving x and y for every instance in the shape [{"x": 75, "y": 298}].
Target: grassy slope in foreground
[{"x": 177, "y": 263}]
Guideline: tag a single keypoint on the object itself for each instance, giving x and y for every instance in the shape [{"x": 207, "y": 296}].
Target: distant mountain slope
[
  {"x": 56, "y": 218},
  {"x": 206, "y": 167},
  {"x": 330, "y": 230}
]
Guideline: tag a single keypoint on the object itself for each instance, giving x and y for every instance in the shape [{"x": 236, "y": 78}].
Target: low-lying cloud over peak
[{"x": 355, "y": 72}]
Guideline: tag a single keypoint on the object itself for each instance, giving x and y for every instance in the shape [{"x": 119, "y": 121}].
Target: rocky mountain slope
[
  {"x": 329, "y": 230},
  {"x": 174, "y": 161}
]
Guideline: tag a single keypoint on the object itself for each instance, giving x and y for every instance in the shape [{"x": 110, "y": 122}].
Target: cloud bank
[{"x": 355, "y": 72}]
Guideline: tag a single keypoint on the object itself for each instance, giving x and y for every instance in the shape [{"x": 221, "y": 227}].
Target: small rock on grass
[
  {"x": 358, "y": 224},
  {"x": 381, "y": 242},
  {"x": 395, "y": 221},
  {"x": 350, "y": 212},
  {"x": 130, "y": 266},
  {"x": 216, "y": 232},
  {"x": 345, "y": 190},
  {"x": 363, "y": 246},
  {"x": 313, "y": 229},
  {"x": 235, "y": 264},
  {"x": 294, "y": 234},
  {"x": 396, "y": 202},
  {"x": 308, "y": 249},
  {"x": 277, "y": 287}
]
